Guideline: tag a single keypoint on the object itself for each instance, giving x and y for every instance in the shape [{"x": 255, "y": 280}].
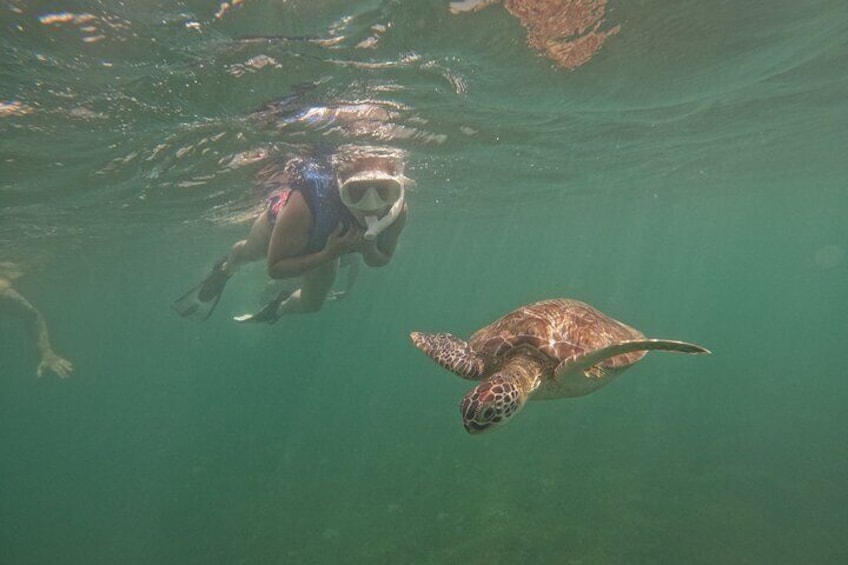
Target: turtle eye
[{"x": 487, "y": 413}]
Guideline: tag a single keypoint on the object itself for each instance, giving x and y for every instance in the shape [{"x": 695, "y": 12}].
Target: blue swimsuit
[{"x": 316, "y": 181}]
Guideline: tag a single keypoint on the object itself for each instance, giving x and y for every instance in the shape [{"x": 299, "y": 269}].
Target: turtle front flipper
[
  {"x": 582, "y": 374},
  {"x": 451, "y": 353}
]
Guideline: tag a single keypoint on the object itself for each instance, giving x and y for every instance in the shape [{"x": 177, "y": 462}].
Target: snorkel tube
[{"x": 376, "y": 226}]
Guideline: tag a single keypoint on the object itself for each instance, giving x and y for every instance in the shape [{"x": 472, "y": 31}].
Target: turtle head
[{"x": 491, "y": 404}]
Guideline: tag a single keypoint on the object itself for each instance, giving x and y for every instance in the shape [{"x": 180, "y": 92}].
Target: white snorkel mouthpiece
[{"x": 377, "y": 226}]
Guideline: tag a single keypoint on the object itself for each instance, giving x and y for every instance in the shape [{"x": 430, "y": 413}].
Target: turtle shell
[{"x": 558, "y": 329}]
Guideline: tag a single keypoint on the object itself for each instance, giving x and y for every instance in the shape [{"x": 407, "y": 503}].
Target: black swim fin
[
  {"x": 267, "y": 313},
  {"x": 199, "y": 302}
]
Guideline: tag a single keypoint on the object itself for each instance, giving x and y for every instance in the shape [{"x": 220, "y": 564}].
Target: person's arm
[
  {"x": 378, "y": 251},
  {"x": 291, "y": 236},
  {"x": 38, "y": 327}
]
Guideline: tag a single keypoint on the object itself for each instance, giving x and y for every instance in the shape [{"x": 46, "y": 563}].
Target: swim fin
[
  {"x": 199, "y": 302},
  {"x": 267, "y": 313}
]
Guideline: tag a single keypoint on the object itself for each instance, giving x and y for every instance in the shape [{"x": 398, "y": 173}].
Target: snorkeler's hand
[
  {"x": 52, "y": 362},
  {"x": 342, "y": 242}
]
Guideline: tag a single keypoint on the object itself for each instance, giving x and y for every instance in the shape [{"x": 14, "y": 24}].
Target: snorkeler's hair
[{"x": 351, "y": 159}]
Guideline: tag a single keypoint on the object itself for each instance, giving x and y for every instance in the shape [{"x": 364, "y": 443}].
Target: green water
[{"x": 689, "y": 180}]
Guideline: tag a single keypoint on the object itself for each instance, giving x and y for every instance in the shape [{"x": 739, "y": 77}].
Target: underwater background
[{"x": 687, "y": 178}]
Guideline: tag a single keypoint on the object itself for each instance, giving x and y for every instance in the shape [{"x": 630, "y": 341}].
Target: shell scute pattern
[{"x": 559, "y": 329}]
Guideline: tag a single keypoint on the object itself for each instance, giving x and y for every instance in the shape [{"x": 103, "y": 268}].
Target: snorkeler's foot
[
  {"x": 336, "y": 295},
  {"x": 468, "y": 5},
  {"x": 268, "y": 313},
  {"x": 213, "y": 285},
  {"x": 199, "y": 302}
]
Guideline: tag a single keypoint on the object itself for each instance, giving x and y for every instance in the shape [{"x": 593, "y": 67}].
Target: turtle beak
[
  {"x": 490, "y": 404},
  {"x": 468, "y": 410},
  {"x": 474, "y": 428},
  {"x": 475, "y": 423}
]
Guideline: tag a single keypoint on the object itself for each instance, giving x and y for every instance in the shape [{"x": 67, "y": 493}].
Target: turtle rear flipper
[
  {"x": 452, "y": 353},
  {"x": 581, "y": 364}
]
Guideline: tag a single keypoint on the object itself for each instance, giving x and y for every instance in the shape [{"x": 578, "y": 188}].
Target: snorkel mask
[{"x": 371, "y": 191}]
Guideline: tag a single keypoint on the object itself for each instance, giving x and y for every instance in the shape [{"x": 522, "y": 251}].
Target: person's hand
[
  {"x": 53, "y": 362},
  {"x": 342, "y": 242}
]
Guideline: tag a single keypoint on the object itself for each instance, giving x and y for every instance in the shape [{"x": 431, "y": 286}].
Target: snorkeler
[
  {"x": 12, "y": 301},
  {"x": 323, "y": 209}
]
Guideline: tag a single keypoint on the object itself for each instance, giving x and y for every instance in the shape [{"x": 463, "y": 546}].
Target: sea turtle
[{"x": 557, "y": 348}]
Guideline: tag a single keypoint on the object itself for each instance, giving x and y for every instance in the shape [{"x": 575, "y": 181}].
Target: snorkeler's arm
[
  {"x": 286, "y": 257},
  {"x": 289, "y": 239},
  {"x": 378, "y": 251},
  {"x": 38, "y": 329}
]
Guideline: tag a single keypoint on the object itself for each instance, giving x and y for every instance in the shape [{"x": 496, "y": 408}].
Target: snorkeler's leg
[
  {"x": 199, "y": 302},
  {"x": 308, "y": 298},
  {"x": 313, "y": 292},
  {"x": 254, "y": 248},
  {"x": 349, "y": 265}
]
